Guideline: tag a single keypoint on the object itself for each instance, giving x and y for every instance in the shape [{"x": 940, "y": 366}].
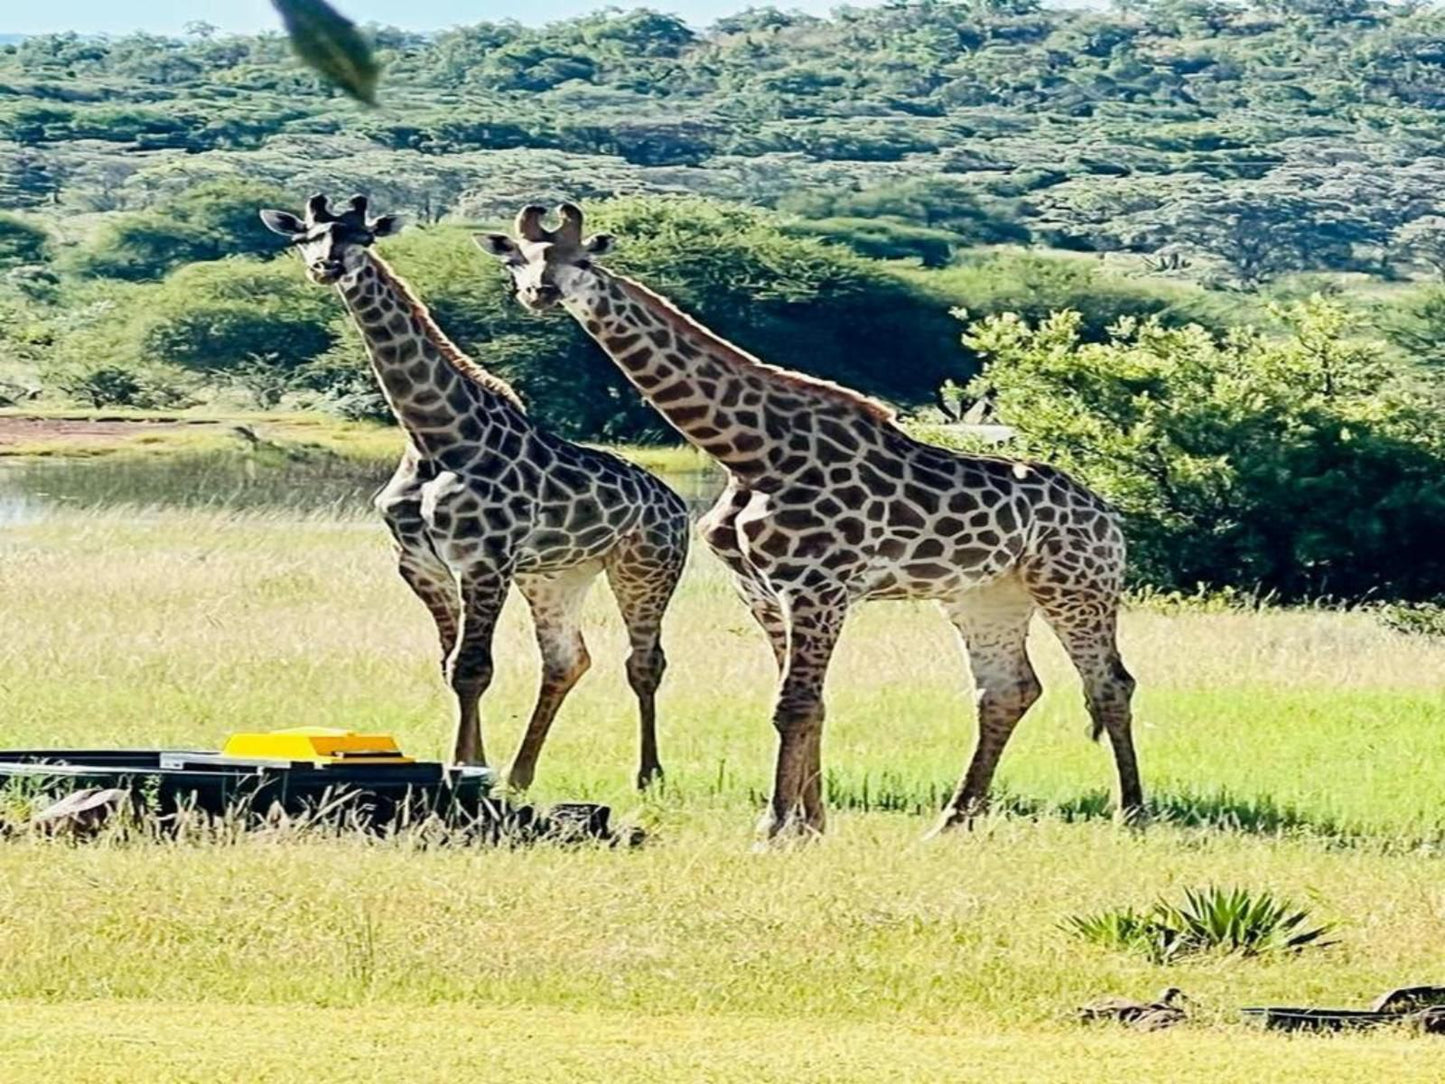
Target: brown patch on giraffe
[
  {"x": 672, "y": 393},
  {"x": 683, "y": 415}
]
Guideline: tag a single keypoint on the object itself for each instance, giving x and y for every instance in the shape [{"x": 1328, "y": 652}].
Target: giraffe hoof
[
  {"x": 947, "y": 826},
  {"x": 649, "y": 778},
  {"x": 1135, "y": 817},
  {"x": 955, "y": 819}
]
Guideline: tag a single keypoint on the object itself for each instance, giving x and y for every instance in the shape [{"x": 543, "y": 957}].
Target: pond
[{"x": 300, "y": 484}]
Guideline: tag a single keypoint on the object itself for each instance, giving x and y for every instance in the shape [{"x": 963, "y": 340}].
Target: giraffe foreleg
[
  {"x": 815, "y": 619},
  {"x": 469, "y": 669},
  {"x": 556, "y": 603},
  {"x": 993, "y": 622},
  {"x": 432, "y": 582}
]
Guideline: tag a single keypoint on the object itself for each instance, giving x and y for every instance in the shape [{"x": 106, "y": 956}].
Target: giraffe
[
  {"x": 484, "y": 498},
  {"x": 829, "y": 502}
]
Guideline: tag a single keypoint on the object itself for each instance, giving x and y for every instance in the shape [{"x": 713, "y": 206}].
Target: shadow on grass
[{"x": 1220, "y": 810}]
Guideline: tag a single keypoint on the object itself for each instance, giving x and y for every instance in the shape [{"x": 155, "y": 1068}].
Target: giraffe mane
[
  {"x": 790, "y": 378},
  {"x": 449, "y": 350}
]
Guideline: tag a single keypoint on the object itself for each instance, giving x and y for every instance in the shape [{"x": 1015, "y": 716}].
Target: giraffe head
[
  {"x": 331, "y": 244},
  {"x": 547, "y": 266}
]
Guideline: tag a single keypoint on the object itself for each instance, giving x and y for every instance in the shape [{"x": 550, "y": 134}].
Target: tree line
[{"x": 1236, "y": 141}]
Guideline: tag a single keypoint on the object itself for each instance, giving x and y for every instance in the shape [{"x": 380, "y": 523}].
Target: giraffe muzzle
[
  {"x": 541, "y": 297},
  {"x": 325, "y": 272}
]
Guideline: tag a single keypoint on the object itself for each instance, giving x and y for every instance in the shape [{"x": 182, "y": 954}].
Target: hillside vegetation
[{"x": 1255, "y": 137}]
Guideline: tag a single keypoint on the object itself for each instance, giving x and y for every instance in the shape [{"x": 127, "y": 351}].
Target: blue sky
[{"x": 169, "y": 16}]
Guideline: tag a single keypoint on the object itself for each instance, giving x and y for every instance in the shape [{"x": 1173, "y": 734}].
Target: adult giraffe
[
  {"x": 484, "y": 498},
  {"x": 829, "y": 503}
]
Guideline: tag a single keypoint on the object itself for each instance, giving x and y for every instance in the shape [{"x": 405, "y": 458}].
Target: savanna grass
[{"x": 1285, "y": 750}]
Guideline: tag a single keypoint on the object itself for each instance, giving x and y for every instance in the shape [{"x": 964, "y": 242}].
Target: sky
[{"x": 247, "y": 16}]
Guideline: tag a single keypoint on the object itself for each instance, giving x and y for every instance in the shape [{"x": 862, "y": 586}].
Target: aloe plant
[{"x": 1229, "y": 920}]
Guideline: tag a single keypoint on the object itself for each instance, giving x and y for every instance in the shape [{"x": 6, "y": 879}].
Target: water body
[{"x": 310, "y": 484}]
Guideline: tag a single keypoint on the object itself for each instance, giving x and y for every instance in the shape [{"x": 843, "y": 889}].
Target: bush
[
  {"x": 1298, "y": 466},
  {"x": 1416, "y": 325},
  {"x": 218, "y": 317},
  {"x": 21, "y": 242},
  {"x": 1208, "y": 920},
  {"x": 880, "y": 239},
  {"x": 1033, "y": 286}
]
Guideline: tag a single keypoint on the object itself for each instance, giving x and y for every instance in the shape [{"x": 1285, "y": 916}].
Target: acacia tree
[{"x": 1262, "y": 233}]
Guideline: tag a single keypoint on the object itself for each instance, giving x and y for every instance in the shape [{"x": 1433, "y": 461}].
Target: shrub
[
  {"x": 217, "y": 317},
  {"x": 1210, "y": 919},
  {"x": 1299, "y": 466},
  {"x": 1414, "y": 618},
  {"x": 880, "y": 239},
  {"x": 1033, "y": 286},
  {"x": 1416, "y": 325}
]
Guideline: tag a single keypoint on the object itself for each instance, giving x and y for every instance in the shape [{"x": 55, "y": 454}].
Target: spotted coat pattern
[
  {"x": 830, "y": 503},
  {"x": 484, "y": 498}
]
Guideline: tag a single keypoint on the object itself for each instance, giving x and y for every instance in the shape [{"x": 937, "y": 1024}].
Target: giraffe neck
[
  {"x": 753, "y": 418},
  {"x": 442, "y": 398}
]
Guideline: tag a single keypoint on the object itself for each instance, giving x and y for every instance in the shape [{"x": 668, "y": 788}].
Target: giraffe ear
[
  {"x": 599, "y": 244},
  {"x": 385, "y": 226},
  {"x": 283, "y": 222},
  {"x": 496, "y": 244}
]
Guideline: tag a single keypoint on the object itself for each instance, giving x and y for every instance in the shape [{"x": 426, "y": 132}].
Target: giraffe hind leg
[
  {"x": 643, "y": 574},
  {"x": 1087, "y": 627},
  {"x": 556, "y": 603}
]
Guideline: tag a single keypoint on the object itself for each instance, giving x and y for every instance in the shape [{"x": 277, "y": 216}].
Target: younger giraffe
[
  {"x": 830, "y": 503},
  {"x": 484, "y": 498}
]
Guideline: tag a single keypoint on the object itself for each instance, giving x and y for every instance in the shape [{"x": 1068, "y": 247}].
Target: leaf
[{"x": 329, "y": 43}]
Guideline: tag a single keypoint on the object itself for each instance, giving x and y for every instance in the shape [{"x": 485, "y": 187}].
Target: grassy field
[{"x": 1291, "y": 751}]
